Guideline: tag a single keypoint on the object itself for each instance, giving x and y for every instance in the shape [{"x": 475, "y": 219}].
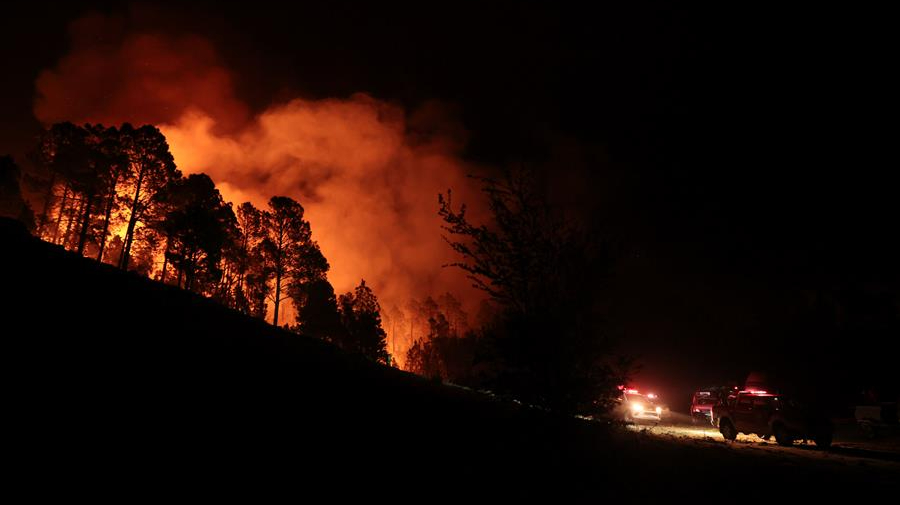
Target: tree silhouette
[
  {"x": 452, "y": 310},
  {"x": 361, "y": 317},
  {"x": 226, "y": 291},
  {"x": 12, "y": 204},
  {"x": 114, "y": 163},
  {"x": 42, "y": 179},
  {"x": 287, "y": 236},
  {"x": 395, "y": 320},
  {"x": 152, "y": 169},
  {"x": 113, "y": 251},
  {"x": 317, "y": 314},
  {"x": 197, "y": 226},
  {"x": 443, "y": 352},
  {"x": 544, "y": 272},
  {"x": 252, "y": 288},
  {"x": 425, "y": 357},
  {"x": 312, "y": 295},
  {"x": 91, "y": 177},
  {"x": 63, "y": 154},
  {"x": 87, "y": 182}
]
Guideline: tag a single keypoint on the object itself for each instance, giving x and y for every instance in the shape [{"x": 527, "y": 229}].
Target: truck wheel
[
  {"x": 782, "y": 435},
  {"x": 727, "y": 429}
]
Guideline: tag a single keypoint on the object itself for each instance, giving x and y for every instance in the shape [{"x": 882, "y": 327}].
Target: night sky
[{"x": 738, "y": 159}]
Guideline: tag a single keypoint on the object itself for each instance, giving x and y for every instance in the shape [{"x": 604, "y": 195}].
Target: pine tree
[
  {"x": 317, "y": 313},
  {"x": 153, "y": 167},
  {"x": 361, "y": 317},
  {"x": 287, "y": 238},
  {"x": 197, "y": 225}
]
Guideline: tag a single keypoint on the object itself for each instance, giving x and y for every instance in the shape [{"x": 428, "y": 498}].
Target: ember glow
[{"x": 366, "y": 171}]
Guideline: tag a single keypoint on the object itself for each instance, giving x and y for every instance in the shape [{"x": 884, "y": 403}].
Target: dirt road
[{"x": 847, "y": 443}]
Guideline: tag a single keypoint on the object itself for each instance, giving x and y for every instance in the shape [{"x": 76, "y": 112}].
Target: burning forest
[
  {"x": 514, "y": 246},
  {"x": 144, "y": 131},
  {"x": 331, "y": 217},
  {"x": 116, "y": 195}
]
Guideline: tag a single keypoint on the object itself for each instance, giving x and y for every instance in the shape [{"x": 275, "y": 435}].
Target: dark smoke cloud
[{"x": 111, "y": 74}]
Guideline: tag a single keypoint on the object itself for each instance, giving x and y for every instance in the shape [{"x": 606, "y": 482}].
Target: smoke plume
[{"x": 367, "y": 172}]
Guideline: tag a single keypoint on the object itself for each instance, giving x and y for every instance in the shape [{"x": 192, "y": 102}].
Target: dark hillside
[{"x": 116, "y": 382}]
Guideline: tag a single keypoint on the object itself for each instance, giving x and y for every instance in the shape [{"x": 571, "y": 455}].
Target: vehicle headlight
[
  {"x": 637, "y": 407},
  {"x": 658, "y": 410}
]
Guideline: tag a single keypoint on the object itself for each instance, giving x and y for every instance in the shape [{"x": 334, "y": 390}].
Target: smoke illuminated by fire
[{"x": 367, "y": 172}]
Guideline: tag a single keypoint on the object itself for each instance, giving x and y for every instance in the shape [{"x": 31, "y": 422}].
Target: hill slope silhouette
[{"x": 121, "y": 384}]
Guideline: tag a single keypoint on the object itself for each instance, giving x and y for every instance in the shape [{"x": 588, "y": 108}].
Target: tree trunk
[
  {"x": 132, "y": 220},
  {"x": 106, "y": 218},
  {"x": 190, "y": 271},
  {"x": 162, "y": 276},
  {"x": 224, "y": 285},
  {"x": 48, "y": 200},
  {"x": 67, "y": 238},
  {"x": 180, "y": 268},
  {"x": 279, "y": 270},
  {"x": 277, "y": 295},
  {"x": 245, "y": 264},
  {"x": 59, "y": 216},
  {"x": 85, "y": 223}
]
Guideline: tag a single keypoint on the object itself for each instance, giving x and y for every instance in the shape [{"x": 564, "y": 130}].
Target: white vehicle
[{"x": 635, "y": 406}]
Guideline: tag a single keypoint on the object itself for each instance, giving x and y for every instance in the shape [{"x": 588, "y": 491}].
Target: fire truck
[
  {"x": 702, "y": 402},
  {"x": 766, "y": 413},
  {"x": 635, "y": 406}
]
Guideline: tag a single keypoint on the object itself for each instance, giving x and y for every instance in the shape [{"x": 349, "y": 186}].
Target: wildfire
[{"x": 368, "y": 184}]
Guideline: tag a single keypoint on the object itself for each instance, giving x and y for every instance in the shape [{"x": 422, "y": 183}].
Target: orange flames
[{"x": 366, "y": 171}]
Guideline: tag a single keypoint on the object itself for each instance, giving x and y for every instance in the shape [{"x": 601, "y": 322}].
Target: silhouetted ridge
[{"x": 122, "y": 384}]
